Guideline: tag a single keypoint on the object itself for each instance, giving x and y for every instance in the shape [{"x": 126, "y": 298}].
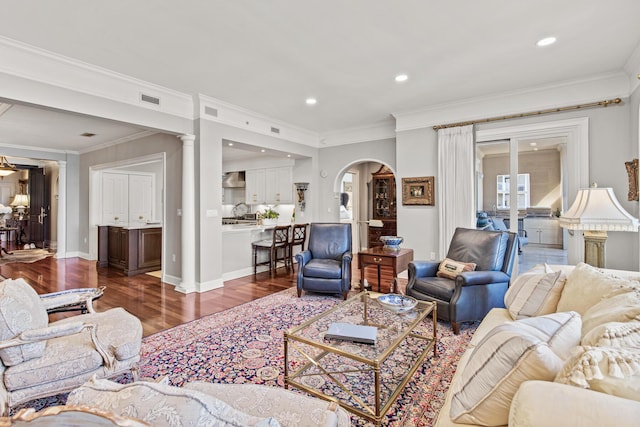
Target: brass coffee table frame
[{"x": 295, "y": 340}]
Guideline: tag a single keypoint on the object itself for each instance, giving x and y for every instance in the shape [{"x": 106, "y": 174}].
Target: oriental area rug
[{"x": 244, "y": 344}]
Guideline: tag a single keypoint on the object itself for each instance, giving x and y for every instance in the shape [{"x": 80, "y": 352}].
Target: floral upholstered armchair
[{"x": 41, "y": 359}]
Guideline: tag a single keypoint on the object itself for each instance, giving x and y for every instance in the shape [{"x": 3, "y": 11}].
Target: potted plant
[{"x": 269, "y": 217}]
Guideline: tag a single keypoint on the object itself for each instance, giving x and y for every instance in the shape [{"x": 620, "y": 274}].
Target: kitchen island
[
  {"x": 133, "y": 248},
  {"x": 237, "y": 256}
]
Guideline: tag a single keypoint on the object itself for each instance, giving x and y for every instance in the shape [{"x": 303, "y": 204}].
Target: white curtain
[{"x": 456, "y": 182}]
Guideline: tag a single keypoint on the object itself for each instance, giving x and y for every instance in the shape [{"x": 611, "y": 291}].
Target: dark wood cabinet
[
  {"x": 384, "y": 208},
  {"x": 134, "y": 251}
]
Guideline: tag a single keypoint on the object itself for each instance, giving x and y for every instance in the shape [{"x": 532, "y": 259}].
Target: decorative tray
[{"x": 397, "y": 303}]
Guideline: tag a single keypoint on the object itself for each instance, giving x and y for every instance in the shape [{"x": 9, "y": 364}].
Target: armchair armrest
[
  {"x": 71, "y": 299},
  {"x": 303, "y": 257},
  {"x": 347, "y": 256},
  {"x": 424, "y": 268},
  {"x": 57, "y": 331},
  {"x": 471, "y": 278}
]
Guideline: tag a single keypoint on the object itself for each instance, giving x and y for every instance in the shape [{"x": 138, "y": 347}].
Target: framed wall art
[{"x": 418, "y": 191}]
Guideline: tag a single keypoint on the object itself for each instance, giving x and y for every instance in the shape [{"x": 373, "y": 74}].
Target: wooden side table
[{"x": 398, "y": 260}]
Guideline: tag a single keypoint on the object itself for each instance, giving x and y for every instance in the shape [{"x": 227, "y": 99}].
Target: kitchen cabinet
[
  {"x": 383, "y": 184},
  {"x": 255, "y": 188},
  {"x": 543, "y": 231},
  {"x": 279, "y": 185},
  {"x": 269, "y": 186},
  {"x": 133, "y": 250},
  {"x": 127, "y": 198}
]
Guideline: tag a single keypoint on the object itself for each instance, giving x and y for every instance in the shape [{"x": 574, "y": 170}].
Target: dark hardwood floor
[{"x": 157, "y": 304}]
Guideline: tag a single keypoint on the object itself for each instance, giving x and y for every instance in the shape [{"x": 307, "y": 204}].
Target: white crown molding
[
  {"x": 375, "y": 132},
  {"x": 122, "y": 140},
  {"x": 26, "y": 61},
  {"x": 242, "y": 118},
  {"x": 43, "y": 149},
  {"x": 632, "y": 68},
  {"x": 595, "y": 88}
]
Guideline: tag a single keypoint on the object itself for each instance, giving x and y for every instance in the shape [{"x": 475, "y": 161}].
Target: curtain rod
[{"x": 605, "y": 103}]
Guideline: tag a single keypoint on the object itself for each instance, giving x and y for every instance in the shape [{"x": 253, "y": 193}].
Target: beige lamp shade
[
  {"x": 20, "y": 201},
  {"x": 598, "y": 209}
]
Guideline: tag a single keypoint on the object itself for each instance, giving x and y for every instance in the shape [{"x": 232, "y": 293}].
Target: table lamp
[
  {"x": 596, "y": 211},
  {"x": 20, "y": 202}
]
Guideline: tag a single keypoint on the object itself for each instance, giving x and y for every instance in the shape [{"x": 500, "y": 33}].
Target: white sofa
[
  {"x": 101, "y": 402},
  {"x": 551, "y": 401}
]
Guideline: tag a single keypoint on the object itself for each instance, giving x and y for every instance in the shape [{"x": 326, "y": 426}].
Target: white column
[
  {"x": 61, "y": 248},
  {"x": 188, "y": 218}
]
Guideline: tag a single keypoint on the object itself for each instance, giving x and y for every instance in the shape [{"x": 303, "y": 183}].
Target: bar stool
[
  {"x": 298, "y": 238},
  {"x": 280, "y": 240}
]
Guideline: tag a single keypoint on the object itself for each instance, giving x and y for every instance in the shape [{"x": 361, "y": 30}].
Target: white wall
[
  {"x": 158, "y": 143},
  {"x": 610, "y": 146},
  {"x": 337, "y": 160}
]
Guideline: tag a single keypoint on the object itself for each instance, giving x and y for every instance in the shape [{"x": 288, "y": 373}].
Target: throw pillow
[
  {"x": 450, "y": 268},
  {"x": 528, "y": 349},
  {"x": 617, "y": 308},
  {"x": 614, "y": 371},
  {"x": 586, "y": 285},
  {"x": 535, "y": 292},
  {"x": 614, "y": 334},
  {"x": 20, "y": 310},
  {"x": 162, "y": 405}
]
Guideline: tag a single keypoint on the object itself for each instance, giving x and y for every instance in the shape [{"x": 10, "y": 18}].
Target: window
[{"x": 503, "y": 191}]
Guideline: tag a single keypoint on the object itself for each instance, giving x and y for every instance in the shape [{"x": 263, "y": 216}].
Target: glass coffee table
[{"x": 365, "y": 379}]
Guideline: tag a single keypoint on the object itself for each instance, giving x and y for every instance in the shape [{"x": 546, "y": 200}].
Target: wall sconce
[{"x": 301, "y": 187}]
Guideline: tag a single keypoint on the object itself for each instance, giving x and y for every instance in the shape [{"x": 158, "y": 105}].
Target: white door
[
  {"x": 115, "y": 198},
  {"x": 141, "y": 198}
]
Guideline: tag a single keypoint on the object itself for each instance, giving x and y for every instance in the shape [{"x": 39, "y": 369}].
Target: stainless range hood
[{"x": 233, "y": 180}]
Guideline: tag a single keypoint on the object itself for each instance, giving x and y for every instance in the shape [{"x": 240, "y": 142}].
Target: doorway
[
  {"x": 574, "y": 164},
  {"x": 146, "y": 166},
  {"x": 535, "y": 198}
]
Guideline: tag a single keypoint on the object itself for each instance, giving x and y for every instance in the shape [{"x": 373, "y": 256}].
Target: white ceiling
[{"x": 269, "y": 56}]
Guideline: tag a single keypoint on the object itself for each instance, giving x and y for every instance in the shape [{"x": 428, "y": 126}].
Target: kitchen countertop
[
  {"x": 234, "y": 228},
  {"x": 133, "y": 226}
]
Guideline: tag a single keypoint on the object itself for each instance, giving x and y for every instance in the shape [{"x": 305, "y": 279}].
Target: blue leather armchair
[
  {"x": 473, "y": 293},
  {"x": 326, "y": 264}
]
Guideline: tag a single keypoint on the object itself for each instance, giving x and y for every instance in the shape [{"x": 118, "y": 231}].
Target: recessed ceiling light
[
  {"x": 311, "y": 101},
  {"x": 402, "y": 78},
  {"x": 263, "y": 151},
  {"x": 230, "y": 144},
  {"x": 546, "y": 41},
  {"x": 533, "y": 144},
  {"x": 288, "y": 155}
]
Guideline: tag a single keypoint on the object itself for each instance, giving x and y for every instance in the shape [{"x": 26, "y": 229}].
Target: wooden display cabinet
[{"x": 383, "y": 185}]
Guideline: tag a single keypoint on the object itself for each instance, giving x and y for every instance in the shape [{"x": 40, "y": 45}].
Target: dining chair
[
  {"x": 279, "y": 241},
  {"x": 298, "y": 238}
]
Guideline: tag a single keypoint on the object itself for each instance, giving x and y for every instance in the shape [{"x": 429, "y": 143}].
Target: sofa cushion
[
  {"x": 291, "y": 409},
  {"x": 20, "y": 310},
  {"x": 449, "y": 268},
  {"x": 614, "y": 371},
  {"x": 535, "y": 292},
  {"x": 617, "y": 308},
  {"x": 323, "y": 268},
  {"x": 510, "y": 354},
  {"x": 587, "y": 285},
  {"x": 65, "y": 357},
  {"x": 162, "y": 405},
  {"x": 614, "y": 334},
  {"x": 117, "y": 329}
]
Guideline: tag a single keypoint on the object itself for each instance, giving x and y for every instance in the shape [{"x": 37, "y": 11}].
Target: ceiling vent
[
  {"x": 275, "y": 130},
  {"x": 211, "y": 111},
  {"x": 150, "y": 99}
]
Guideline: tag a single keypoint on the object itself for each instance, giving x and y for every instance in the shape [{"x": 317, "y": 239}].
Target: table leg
[
  {"x": 362, "y": 288},
  {"x": 378, "y": 277}
]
